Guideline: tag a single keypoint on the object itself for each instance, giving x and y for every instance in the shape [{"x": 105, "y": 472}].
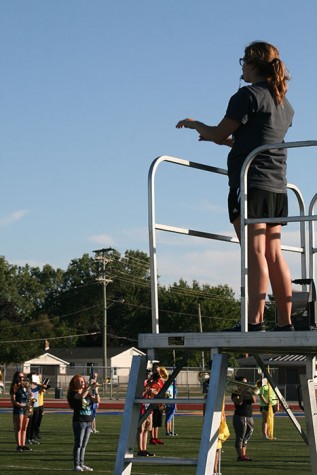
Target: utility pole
[
  {"x": 102, "y": 255},
  {"x": 201, "y": 330}
]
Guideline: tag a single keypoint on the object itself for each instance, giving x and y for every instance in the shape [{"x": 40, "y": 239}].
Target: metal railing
[{"x": 304, "y": 249}]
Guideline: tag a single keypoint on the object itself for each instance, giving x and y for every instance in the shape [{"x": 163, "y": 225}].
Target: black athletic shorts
[
  {"x": 266, "y": 408},
  {"x": 261, "y": 204},
  {"x": 157, "y": 417}
]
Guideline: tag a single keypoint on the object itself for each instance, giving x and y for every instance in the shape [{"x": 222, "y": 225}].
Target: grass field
[{"x": 288, "y": 454}]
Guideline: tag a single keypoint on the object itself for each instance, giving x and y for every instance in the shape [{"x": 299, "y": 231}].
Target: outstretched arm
[{"x": 219, "y": 134}]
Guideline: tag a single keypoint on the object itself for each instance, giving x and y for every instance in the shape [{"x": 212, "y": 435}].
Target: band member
[
  {"x": 94, "y": 406},
  {"x": 36, "y": 389},
  {"x": 150, "y": 391},
  {"x": 258, "y": 114},
  {"x": 268, "y": 398},
  {"x": 19, "y": 397},
  {"x": 243, "y": 423},
  {"x": 157, "y": 411},
  {"x": 80, "y": 398}
]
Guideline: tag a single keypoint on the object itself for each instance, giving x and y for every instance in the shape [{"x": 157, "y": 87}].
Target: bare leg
[
  {"x": 16, "y": 427},
  {"x": 264, "y": 423},
  {"x": 279, "y": 275},
  {"x": 258, "y": 272},
  {"x": 216, "y": 465}
]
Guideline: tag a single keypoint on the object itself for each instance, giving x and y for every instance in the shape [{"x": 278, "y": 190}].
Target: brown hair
[
  {"x": 265, "y": 57},
  {"x": 15, "y": 382},
  {"x": 74, "y": 386}
]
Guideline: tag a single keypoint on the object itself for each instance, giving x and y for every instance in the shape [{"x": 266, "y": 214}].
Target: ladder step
[{"x": 160, "y": 461}]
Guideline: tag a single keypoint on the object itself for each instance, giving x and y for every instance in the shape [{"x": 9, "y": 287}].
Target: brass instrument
[
  {"x": 203, "y": 376},
  {"x": 94, "y": 385},
  {"x": 29, "y": 408},
  {"x": 163, "y": 373},
  {"x": 234, "y": 386},
  {"x": 243, "y": 388}
]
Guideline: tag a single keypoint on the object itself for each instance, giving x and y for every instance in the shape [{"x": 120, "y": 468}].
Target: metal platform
[
  {"x": 299, "y": 342},
  {"x": 221, "y": 343}
]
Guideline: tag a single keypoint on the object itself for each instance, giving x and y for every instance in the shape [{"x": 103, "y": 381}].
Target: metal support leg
[
  {"x": 281, "y": 398},
  {"x": 129, "y": 424},
  {"x": 212, "y": 419},
  {"x": 310, "y": 407}
]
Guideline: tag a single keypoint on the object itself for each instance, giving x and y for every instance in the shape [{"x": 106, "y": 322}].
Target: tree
[
  {"x": 67, "y": 305},
  {"x": 129, "y": 293}
]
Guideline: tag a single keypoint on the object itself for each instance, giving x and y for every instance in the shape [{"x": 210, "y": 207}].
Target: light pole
[{"x": 102, "y": 255}]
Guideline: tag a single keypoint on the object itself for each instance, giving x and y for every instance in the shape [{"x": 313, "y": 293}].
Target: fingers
[{"x": 186, "y": 123}]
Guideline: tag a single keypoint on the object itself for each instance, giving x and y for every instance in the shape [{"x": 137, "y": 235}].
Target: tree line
[{"x": 65, "y": 307}]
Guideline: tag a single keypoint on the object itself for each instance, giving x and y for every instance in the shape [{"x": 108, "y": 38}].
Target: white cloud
[
  {"x": 102, "y": 239},
  {"x": 13, "y": 217},
  {"x": 213, "y": 267}
]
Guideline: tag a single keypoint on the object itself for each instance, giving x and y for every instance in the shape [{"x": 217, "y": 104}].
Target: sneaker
[
  {"x": 244, "y": 459},
  {"x": 285, "y": 328},
  {"x": 86, "y": 468},
  {"x": 25, "y": 448},
  {"x": 29, "y": 441},
  {"x": 19, "y": 449},
  {"x": 153, "y": 441},
  {"x": 78, "y": 469},
  {"x": 141, "y": 453},
  {"x": 148, "y": 454},
  {"x": 159, "y": 442},
  {"x": 252, "y": 327},
  {"x": 34, "y": 441}
]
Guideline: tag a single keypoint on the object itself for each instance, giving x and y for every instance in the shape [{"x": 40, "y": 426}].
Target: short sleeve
[{"x": 241, "y": 105}]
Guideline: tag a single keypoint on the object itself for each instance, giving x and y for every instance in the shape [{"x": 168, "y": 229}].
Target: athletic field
[{"x": 286, "y": 455}]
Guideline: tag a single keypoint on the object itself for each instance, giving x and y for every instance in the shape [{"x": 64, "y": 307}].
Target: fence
[{"x": 188, "y": 383}]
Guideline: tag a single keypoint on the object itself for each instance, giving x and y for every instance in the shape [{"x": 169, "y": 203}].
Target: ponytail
[{"x": 278, "y": 80}]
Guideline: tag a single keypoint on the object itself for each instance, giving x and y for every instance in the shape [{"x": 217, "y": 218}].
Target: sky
[{"x": 90, "y": 93}]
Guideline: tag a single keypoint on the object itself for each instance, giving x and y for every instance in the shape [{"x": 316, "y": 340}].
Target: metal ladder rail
[
  {"x": 245, "y": 221},
  {"x": 153, "y": 226},
  {"x": 312, "y": 240},
  {"x": 131, "y": 420}
]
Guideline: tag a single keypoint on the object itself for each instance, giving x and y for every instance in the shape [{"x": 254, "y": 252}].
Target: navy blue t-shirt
[{"x": 262, "y": 122}]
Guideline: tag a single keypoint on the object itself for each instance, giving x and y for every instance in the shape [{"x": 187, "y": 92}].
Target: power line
[{"x": 50, "y": 338}]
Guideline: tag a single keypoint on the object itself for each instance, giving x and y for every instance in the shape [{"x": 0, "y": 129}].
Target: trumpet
[{"x": 243, "y": 388}]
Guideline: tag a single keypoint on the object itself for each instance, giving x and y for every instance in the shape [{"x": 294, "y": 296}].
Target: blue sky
[{"x": 90, "y": 92}]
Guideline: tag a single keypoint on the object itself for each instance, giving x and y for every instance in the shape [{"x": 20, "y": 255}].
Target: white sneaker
[
  {"x": 87, "y": 469},
  {"x": 78, "y": 469}
]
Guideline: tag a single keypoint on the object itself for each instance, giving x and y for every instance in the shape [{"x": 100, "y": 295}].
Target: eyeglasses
[{"x": 241, "y": 61}]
